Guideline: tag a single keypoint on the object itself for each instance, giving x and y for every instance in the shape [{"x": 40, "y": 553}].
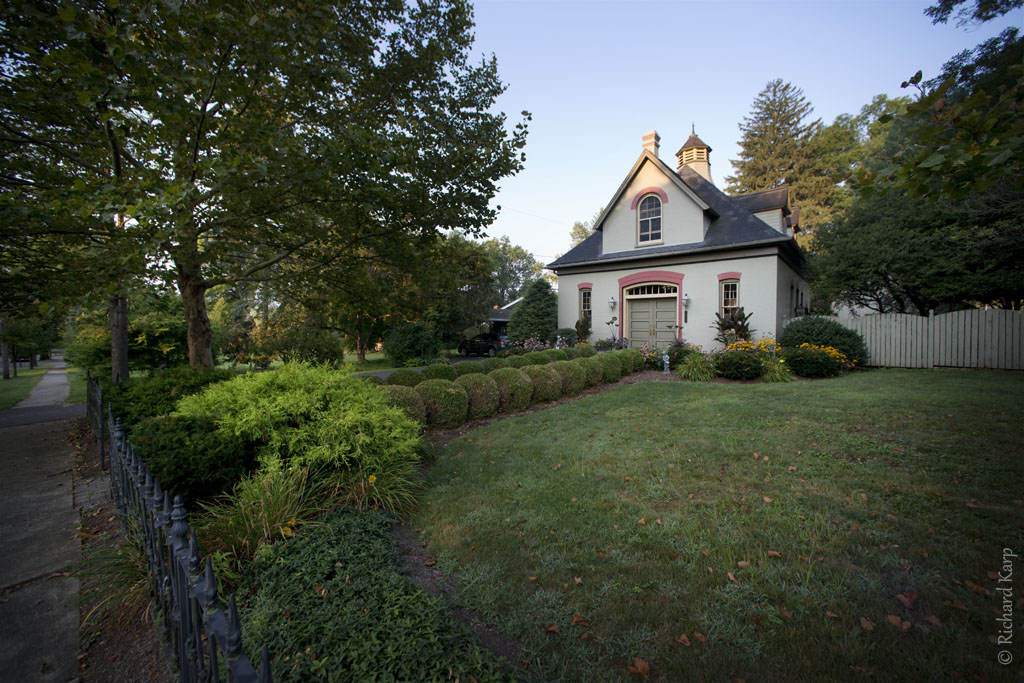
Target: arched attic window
[{"x": 649, "y": 220}]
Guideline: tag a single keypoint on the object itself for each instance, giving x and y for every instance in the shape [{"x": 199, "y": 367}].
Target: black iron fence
[{"x": 202, "y": 636}]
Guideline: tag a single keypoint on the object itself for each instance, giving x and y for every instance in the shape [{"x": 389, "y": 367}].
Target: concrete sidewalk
[{"x": 39, "y": 611}]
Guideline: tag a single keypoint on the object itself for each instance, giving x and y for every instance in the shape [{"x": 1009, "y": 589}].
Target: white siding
[
  {"x": 682, "y": 220},
  {"x": 772, "y": 217}
]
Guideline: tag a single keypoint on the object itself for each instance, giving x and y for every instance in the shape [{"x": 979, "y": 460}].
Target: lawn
[
  {"x": 79, "y": 385},
  {"x": 821, "y": 530},
  {"x": 18, "y": 388}
]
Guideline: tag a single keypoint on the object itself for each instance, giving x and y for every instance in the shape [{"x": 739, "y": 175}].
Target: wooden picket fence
[{"x": 974, "y": 338}]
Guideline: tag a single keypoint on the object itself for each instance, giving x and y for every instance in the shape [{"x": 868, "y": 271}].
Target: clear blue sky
[{"x": 597, "y": 74}]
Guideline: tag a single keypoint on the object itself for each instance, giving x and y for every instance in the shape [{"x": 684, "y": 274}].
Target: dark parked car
[{"x": 483, "y": 345}]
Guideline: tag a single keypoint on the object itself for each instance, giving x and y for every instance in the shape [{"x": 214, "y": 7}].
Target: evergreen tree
[{"x": 536, "y": 316}]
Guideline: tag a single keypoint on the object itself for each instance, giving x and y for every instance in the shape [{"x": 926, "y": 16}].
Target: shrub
[
  {"x": 483, "y": 395},
  {"x": 593, "y": 368},
  {"x": 696, "y": 367},
  {"x": 776, "y": 370},
  {"x": 586, "y": 350},
  {"x": 518, "y": 361},
  {"x": 145, "y": 397},
  {"x": 554, "y": 355},
  {"x": 492, "y": 364},
  {"x": 408, "y": 399},
  {"x": 366, "y": 621},
  {"x": 583, "y": 328},
  {"x": 406, "y": 377},
  {"x": 733, "y": 326},
  {"x": 371, "y": 379},
  {"x": 439, "y": 372},
  {"x": 303, "y": 415},
  {"x": 515, "y": 389},
  {"x": 610, "y": 366},
  {"x": 536, "y": 316},
  {"x": 411, "y": 340},
  {"x": 468, "y": 367},
  {"x": 571, "y": 352},
  {"x": 822, "y": 331},
  {"x": 536, "y": 358},
  {"x": 563, "y": 336},
  {"x": 547, "y": 384},
  {"x": 636, "y": 359},
  {"x": 190, "y": 457},
  {"x": 808, "y": 360},
  {"x": 739, "y": 364},
  {"x": 446, "y": 402},
  {"x": 263, "y": 508},
  {"x": 678, "y": 351},
  {"x": 574, "y": 377}
]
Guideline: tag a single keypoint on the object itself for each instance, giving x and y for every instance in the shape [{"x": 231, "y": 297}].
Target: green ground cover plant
[
  {"x": 819, "y": 531},
  {"x": 17, "y": 389},
  {"x": 334, "y": 606}
]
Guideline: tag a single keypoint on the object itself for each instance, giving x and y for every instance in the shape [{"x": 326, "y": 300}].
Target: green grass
[
  {"x": 17, "y": 388},
  {"x": 76, "y": 378},
  {"x": 838, "y": 495}
]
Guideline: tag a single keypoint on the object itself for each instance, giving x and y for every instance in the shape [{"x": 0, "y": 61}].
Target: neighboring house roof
[
  {"x": 504, "y": 312},
  {"x": 732, "y": 223}
]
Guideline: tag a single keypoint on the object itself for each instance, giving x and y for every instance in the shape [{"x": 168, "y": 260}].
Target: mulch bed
[{"x": 115, "y": 651}]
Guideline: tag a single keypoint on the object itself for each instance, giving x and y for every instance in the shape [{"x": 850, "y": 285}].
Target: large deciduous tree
[
  {"x": 513, "y": 266},
  {"x": 215, "y": 141}
]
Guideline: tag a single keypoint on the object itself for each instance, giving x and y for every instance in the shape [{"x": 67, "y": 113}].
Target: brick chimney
[{"x": 651, "y": 141}]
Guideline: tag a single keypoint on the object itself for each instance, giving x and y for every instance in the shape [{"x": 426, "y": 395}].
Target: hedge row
[{"x": 504, "y": 385}]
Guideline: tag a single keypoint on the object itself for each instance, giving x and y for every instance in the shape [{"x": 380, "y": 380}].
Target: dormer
[{"x": 772, "y": 207}]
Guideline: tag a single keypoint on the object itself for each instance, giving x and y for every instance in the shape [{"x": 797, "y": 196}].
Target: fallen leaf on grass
[
  {"x": 893, "y": 517},
  {"x": 580, "y": 619},
  {"x": 894, "y": 620},
  {"x": 430, "y": 562},
  {"x": 907, "y": 599},
  {"x": 642, "y": 521},
  {"x": 866, "y": 625},
  {"x": 640, "y": 668},
  {"x": 553, "y": 629},
  {"x": 532, "y": 578},
  {"x": 785, "y": 612},
  {"x": 703, "y": 552},
  {"x": 584, "y": 635},
  {"x": 932, "y": 619},
  {"x": 774, "y": 553},
  {"x": 792, "y": 468},
  {"x": 731, "y": 577},
  {"x": 685, "y": 640},
  {"x": 905, "y": 626},
  {"x": 975, "y": 586},
  {"x": 742, "y": 564},
  {"x": 954, "y": 604},
  {"x": 700, "y": 636},
  {"x": 673, "y": 556},
  {"x": 578, "y": 581},
  {"x": 833, "y": 615},
  {"x": 767, "y": 499}
]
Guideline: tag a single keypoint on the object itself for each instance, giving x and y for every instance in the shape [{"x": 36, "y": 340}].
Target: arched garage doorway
[{"x": 651, "y": 314}]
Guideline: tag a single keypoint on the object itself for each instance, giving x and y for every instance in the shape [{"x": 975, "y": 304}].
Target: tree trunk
[
  {"x": 32, "y": 360},
  {"x": 5, "y": 352},
  {"x": 200, "y": 338},
  {"x": 119, "y": 339}
]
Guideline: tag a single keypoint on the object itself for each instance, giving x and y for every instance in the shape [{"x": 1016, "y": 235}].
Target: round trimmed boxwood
[
  {"x": 515, "y": 389},
  {"x": 595, "y": 371},
  {"x": 585, "y": 350},
  {"x": 371, "y": 379},
  {"x": 571, "y": 353},
  {"x": 406, "y": 377},
  {"x": 555, "y": 355},
  {"x": 547, "y": 384},
  {"x": 446, "y": 402},
  {"x": 610, "y": 365},
  {"x": 574, "y": 377},
  {"x": 823, "y": 331},
  {"x": 482, "y": 392},
  {"x": 467, "y": 367},
  {"x": 492, "y": 364},
  {"x": 634, "y": 358},
  {"x": 439, "y": 372},
  {"x": 809, "y": 362},
  {"x": 408, "y": 399},
  {"x": 739, "y": 364},
  {"x": 518, "y": 361},
  {"x": 536, "y": 358}
]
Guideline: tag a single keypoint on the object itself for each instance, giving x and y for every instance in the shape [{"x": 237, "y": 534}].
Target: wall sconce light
[
  {"x": 611, "y": 302},
  {"x": 686, "y": 300}
]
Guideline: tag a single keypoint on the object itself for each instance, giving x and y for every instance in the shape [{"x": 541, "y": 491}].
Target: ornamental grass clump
[
  {"x": 515, "y": 389},
  {"x": 696, "y": 367},
  {"x": 810, "y": 360},
  {"x": 547, "y": 383},
  {"x": 574, "y": 377},
  {"x": 446, "y": 402},
  {"x": 482, "y": 392}
]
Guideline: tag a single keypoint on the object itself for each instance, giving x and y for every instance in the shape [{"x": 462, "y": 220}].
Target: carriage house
[{"x": 670, "y": 250}]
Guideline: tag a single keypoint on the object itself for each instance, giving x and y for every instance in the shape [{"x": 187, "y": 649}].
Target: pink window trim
[
  {"x": 585, "y": 285},
  {"x": 646, "y": 191},
  {"x": 732, "y": 275},
  {"x": 651, "y": 276}
]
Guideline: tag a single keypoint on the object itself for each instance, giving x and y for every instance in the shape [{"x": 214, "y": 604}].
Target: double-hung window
[
  {"x": 649, "y": 220},
  {"x": 729, "y": 296}
]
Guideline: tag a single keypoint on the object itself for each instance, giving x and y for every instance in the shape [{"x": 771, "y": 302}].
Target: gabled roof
[
  {"x": 776, "y": 198},
  {"x": 504, "y": 312},
  {"x": 732, "y": 223}
]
